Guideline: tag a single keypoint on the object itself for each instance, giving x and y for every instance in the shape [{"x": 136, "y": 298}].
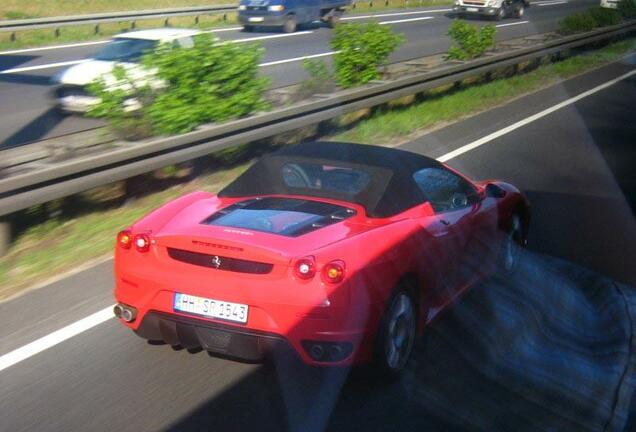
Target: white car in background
[
  {"x": 610, "y": 4},
  {"x": 125, "y": 49}
]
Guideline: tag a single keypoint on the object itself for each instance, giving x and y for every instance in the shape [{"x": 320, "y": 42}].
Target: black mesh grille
[{"x": 220, "y": 262}]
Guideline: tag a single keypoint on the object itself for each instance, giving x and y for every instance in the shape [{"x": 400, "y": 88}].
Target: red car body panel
[{"x": 419, "y": 245}]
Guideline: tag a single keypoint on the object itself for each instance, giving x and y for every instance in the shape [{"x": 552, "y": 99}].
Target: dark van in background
[{"x": 288, "y": 14}]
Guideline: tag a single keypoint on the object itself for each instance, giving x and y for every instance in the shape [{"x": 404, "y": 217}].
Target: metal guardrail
[
  {"x": 63, "y": 179},
  {"x": 93, "y": 19}
]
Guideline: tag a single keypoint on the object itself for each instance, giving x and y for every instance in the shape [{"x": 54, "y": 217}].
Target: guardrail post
[
  {"x": 224, "y": 17},
  {"x": 196, "y": 20},
  {"x": 133, "y": 25},
  {"x": 57, "y": 32},
  {"x": 371, "y": 4},
  {"x": 166, "y": 23},
  {"x": 96, "y": 28},
  {"x": 5, "y": 236},
  {"x": 12, "y": 36}
]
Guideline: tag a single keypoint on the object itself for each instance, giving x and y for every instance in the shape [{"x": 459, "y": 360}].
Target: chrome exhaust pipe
[
  {"x": 117, "y": 310},
  {"x": 126, "y": 313}
]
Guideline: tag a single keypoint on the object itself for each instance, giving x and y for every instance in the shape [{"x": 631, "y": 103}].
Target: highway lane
[
  {"x": 576, "y": 166},
  {"x": 27, "y": 110}
]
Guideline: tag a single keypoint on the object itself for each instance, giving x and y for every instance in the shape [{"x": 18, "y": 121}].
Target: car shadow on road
[
  {"x": 548, "y": 347},
  {"x": 19, "y": 78},
  {"x": 37, "y": 129},
  {"x": 10, "y": 61}
]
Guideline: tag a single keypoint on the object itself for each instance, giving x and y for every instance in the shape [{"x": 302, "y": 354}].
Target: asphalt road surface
[
  {"x": 28, "y": 114},
  {"x": 576, "y": 165}
]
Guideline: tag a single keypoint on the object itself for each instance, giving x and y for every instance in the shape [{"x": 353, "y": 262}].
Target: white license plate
[
  {"x": 472, "y": 9},
  {"x": 255, "y": 19},
  {"x": 211, "y": 308}
]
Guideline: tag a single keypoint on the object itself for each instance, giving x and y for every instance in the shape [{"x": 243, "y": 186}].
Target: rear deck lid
[{"x": 291, "y": 217}]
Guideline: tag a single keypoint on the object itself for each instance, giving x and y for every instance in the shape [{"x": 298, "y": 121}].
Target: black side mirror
[{"x": 492, "y": 190}]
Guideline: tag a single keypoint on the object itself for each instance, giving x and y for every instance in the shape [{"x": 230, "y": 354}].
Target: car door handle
[{"x": 444, "y": 222}]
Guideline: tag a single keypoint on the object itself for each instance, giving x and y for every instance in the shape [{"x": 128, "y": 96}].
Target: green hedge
[
  {"x": 361, "y": 49},
  {"x": 627, "y": 8},
  {"x": 605, "y": 17},
  {"x": 211, "y": 82},
  {"x": 470, "y": 41},
  {"x": 577, "y": 22},
  {"x": 590, "y": 19}
]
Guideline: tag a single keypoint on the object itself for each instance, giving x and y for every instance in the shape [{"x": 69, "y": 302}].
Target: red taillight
[
  {"x": 334, "y": 271},
  {"x": 142, "y": 242},
  {"x": 305, "y": 268},
  {"x": 124, "y": 239}
]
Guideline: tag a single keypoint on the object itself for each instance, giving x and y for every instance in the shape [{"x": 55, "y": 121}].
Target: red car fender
[
  {"x": 156, "y": 219},
  {"x": 376, "y": 262}
]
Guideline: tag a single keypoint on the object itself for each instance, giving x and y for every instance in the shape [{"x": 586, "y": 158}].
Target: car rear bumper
[
  {"x": 262, "y": 19},
  {"x": 237, "y": 343},
  {"x": 75, "y": 106},
  {"x": 73, "y": 99},
  {"x": 478, "y": 10},
  {"x": 345, "y": 334},
  {"x": 250, "y": 345}
]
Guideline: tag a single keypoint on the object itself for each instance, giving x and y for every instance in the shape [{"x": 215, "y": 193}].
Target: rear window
[
  {"x": 126, "y": 49},
  {"x": 306, "y": 175},
  {"x": 284, "y": 216}
]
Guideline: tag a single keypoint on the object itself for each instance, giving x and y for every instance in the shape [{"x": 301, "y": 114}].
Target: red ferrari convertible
[{"x": 339, "y": 252}]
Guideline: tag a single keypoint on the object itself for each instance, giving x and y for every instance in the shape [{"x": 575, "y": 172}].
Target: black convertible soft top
[{"x": 379, "y": 178}]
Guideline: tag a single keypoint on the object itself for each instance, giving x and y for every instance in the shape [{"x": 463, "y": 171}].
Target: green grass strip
[{"x": 396, "y": 123}]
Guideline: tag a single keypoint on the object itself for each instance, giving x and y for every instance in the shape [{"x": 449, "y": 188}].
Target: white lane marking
[
  {"x": 74, "y": 62},
  {"x": 512, "y": 24},
  {"x": 221, "y": 30},
  {"x": 28, "y": 50},
  {"x": 405, "y": 20},
  {"x": 275, "y": 36},
  {"x": 277, "y": 62},
  {"x": 45, "y": 66},
  {"x": 484, "y": 140},
  {"x": 55, "y": 338},
  {"x": 551, "y": 3},
  {"x": 359, "y": 17},
  {"x": 100, "y": 42}
]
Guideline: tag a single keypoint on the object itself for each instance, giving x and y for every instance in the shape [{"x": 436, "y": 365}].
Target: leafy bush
[
  {"x": 124, "y": 97},
  {"x": 578, "y": 22},
  {"x": 213, "y": 81},
  {"x": 361, "y": 49},
  {"x": 321, "y": 79},
  {"x": 605, "y": 17},
  {"x": 182, "y": 88},
  {"x": 627, "y": 8},
  {"x": 469, "y": 41}
]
